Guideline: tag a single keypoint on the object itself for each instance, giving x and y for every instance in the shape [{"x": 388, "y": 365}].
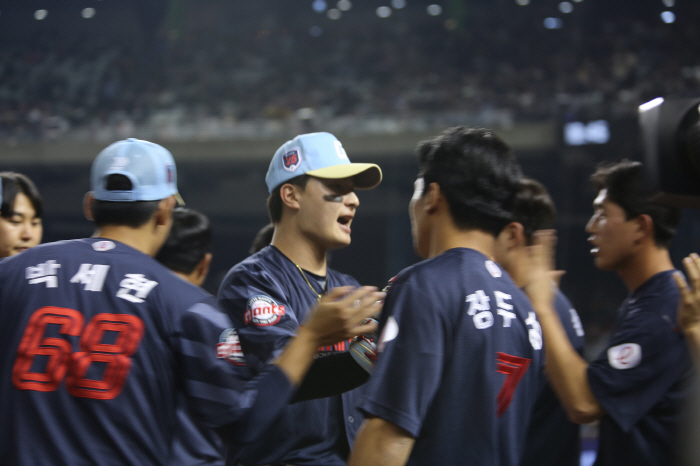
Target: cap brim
[
  {"x": 179, "y": 199},
  {"x": 365, "y": 175}
]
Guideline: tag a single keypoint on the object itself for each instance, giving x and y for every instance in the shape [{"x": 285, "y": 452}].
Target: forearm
[
  {"x": 381, "y": 443},
  {"x": 331, "y": 375},
  {"x": 298, "y": 356},
  {"x": 567, "y": 371}
]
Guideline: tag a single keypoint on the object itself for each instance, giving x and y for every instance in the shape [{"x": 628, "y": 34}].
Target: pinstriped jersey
[{"x": 96, "y": 340}]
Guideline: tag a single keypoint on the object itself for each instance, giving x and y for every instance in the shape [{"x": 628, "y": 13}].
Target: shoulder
[
  {"x": 455, "y": 266},
  {"x": 659, "y": 292},
  {"x": 342, "y": 278},
  {"x": 267, "y": 261}
]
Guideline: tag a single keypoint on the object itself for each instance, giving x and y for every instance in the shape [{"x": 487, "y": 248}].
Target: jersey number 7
[
  {"x": 514, "y": 367},
  {"x": 57, "y": 357}
]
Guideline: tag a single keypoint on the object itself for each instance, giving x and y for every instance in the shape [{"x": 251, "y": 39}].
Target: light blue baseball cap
[
  {"x": 320, "y": 155},
  {"x": 149, "y": 167}
]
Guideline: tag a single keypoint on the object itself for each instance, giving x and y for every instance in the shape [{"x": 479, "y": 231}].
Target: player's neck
[
  {"x": 300, "y": 250},
  {"x": 136, "y": 238},
  {"x": 448, "y": 237},
  {"x": 643, "y": 265},
  {"x": 518, "y": 267}
]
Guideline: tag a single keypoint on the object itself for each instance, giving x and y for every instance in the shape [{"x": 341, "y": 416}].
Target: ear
[
  {"x": 645, "y": 226},
  {"x": 433, "y": 198},
  {"x": 164, "y": 213},
  {"x": 87, "y": 205},
  {"x": 513, "y": 235},
  {"x": 290, "y": 195}
]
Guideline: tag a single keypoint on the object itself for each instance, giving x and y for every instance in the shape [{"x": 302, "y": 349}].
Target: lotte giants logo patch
[
  {"x": 102, "y": 246},
  {"x": 625, "y": 356},
  {"x": 291, "y": 159},
  {"x": 262, "y": 311},
  {"x": 229, "y": 347}
]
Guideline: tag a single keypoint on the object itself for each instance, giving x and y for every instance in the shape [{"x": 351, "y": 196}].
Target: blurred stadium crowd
[{"x": 197, "y": 80}]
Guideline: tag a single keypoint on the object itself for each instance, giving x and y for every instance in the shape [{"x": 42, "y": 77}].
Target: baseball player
[
  {"x": 20, "y": 214},
  {"x": 97, "y": 338},
  {"x": 187, "y": 252},
  {"x": 552, "y": 438},
  {"x": 459, "y": 346},
  {"x": 268, "y": 296},
  {"x": 637, "y": 386}
]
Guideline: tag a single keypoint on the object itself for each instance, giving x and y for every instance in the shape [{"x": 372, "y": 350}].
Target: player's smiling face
[
  {"x": 612, "y": 236},
  {"x": 327, "y": 209},
  {"x": 21, "y": 230}
]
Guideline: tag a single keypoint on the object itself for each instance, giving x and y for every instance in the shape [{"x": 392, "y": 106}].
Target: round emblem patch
[
  {"x": 229, "y": 347},
  {"x": 262, "y": 311},
  {"x": 102, "y": 246}
]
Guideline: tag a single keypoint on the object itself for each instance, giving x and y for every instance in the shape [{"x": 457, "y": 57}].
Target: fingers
[
  {"x": 370, "y": 327},
  {"x": 543, "y": 248},
  {"x": 692, "y": 268},
  {"x": 682, "y": 285}
]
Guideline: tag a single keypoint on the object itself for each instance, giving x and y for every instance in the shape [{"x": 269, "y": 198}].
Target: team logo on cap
[
  {"x": 170, "y": 173},
  {"x": 340, "y": 151},
  {"x": 229, "y": 347},
  {"x": 262, "y": 311},
  {"x": 291, "y": 159}
]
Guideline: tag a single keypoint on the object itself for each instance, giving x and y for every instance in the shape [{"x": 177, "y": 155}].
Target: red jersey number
[
  {"x": 126, "y": 332},
  {"x": 514, "y": 367}
]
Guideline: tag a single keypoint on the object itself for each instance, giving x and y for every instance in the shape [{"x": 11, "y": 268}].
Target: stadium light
[
  {"x": 40, "y": 14},
  {"x": 383, "y": 11},
  {"x": 434, "y": 10}
]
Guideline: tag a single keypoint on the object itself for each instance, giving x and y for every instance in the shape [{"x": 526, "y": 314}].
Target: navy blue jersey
[
  {"x": 194, "y": 445},
  {"x": 552, "y": 439},
  {"x": 267, "y": 298},
  {"x": 97, "y": 340},
  {"x": 641, "y": 379},
  {"x": 460, "y": 351}
]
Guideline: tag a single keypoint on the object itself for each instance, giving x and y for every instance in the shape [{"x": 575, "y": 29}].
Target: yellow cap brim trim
[{"x": 366, "y": 175}]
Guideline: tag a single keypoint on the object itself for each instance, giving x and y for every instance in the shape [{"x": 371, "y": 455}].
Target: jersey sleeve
[
  {"x": 409, "y": 367},
  {"x": 221, "y": 393},
  {"x": 259, "y": 309},
  {"x": 641, "y": 362},
  {"x": 571, "y": 322}
]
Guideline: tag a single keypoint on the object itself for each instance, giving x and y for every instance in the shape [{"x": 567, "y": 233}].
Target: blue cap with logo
[
  {"x": 320, "y": 155},
  {"x": 149, "y": 167}
]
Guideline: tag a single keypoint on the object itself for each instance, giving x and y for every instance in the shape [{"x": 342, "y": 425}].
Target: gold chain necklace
[{"x": 325, "y": 288}]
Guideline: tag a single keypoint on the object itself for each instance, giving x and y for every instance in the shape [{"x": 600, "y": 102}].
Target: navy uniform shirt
[
  {"x": 460, "y": 350},
  {"x": 552, "y": 438},
  {"x": 267, "y": 298},
  {"x": 97, "y": 340},
  {"x": 641, "y": 379}
]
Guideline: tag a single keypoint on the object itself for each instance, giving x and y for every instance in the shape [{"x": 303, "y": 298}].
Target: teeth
[{"x": 594, "y": 250}]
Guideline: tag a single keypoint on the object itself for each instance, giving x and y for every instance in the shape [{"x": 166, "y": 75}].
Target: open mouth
[{"x": 344, "y": 222}]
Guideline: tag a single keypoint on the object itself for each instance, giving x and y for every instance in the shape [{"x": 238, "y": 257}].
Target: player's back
[
  {"x": 463, "y": 376},
  {"x": 90, "y": 340}
]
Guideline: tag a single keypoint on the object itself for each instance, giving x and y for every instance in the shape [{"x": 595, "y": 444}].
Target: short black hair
[
  {"x": 274, "y": 201},
  {"x": 533, "y": 208},
  {"x": 262, "y": 238},
  {"x": 15, "y": 183},
  {"x": 189, "y": 241},
  {"x": 623, "y": 181},
  {"x": 477, "y": 173},
  {"x": 132, "y": 214}
]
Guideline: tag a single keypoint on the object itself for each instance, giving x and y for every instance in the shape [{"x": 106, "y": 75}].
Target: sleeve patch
[
  {"x": 389, "y": 332},
  {"x": 625, "y": 356},
  {"x": 229, "y": 347},
  {"x": 262, "y": 311}
]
